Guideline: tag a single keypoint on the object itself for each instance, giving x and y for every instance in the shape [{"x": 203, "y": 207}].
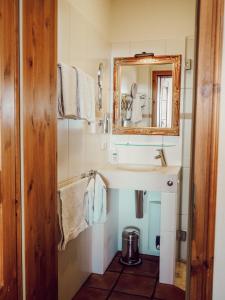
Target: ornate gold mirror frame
[{"x": 175, "y": 60}]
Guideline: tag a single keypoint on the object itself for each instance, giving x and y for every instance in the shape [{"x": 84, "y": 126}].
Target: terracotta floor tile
[
  {"x": 168, "y": 292},
  {"x": 91, "y": 294},
  {"x": 118, "y": 253},
  {"x": 147, "y": 268},
  {"x": 105, "y": 281},
  {"x": 150, "y": 257},
  {"x": 135, "y": 285},
  {"x": 120, "y": 296},
  {"x": 115, "y": 265},
  {"x": 180, "y": 277}
]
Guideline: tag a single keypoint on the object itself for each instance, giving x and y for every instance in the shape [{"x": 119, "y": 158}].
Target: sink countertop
[
  {"x": 141, "y": 177},
  {"x": 168, "y": 170}
]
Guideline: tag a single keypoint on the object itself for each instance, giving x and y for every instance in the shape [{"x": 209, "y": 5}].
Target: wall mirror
[{"x": 147, "y": 95}]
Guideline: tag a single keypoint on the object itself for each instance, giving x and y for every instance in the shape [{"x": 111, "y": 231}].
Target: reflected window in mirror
[
  {"x": 147, "y": 95},
  {"x": 162, "y": 88}
]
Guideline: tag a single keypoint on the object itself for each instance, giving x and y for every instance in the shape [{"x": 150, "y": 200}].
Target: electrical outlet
[
  {"x": 181, "y": 235},
  {"x": 188, "y": 64}
]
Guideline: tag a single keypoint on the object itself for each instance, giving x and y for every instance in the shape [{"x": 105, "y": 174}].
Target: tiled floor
[
  {"x": 129, "y": 283},
  {"x": 180, "y": 278}
]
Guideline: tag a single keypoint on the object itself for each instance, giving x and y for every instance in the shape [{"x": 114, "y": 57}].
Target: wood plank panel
[
  {"x": 39, "y": 123},
  {"x": 9, "y": 151},
  {"x": 206, "y": 141}
]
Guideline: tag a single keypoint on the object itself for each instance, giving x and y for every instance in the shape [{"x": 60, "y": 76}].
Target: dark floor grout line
[
  {"x": 112, "y": 271},
  {"x": 117, "y": 280},
  {"x": 136, "y": 295},
  {"x": 145, "y": 275},
  {"x": 140, "y": 275},
  {"x": 127, "y": 294},
  {"x": 97, "y": 288},
  {"x": 82, "y": 286},
  {"x": 153, "y": 294}
]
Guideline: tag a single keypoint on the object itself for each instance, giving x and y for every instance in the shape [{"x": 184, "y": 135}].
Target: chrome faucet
[{"x": 161, "y": 155}]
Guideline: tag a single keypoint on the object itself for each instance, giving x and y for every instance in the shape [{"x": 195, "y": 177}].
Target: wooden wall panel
[
  {"x": 9, "y": 151},
  {"x": 206, "y": 140},
  {"x": 39, "y": 125}
]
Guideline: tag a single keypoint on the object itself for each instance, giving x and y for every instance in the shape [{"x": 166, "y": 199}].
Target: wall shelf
[{"x": 129, "y": 144}]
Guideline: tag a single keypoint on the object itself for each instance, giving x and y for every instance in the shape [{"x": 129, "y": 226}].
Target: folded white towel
[
  {"x": 136, "y": 110},
  {"x": 68, "y": 96},
  {"x": 71, "y": 211},
  {"x": 86, "y": 96}
]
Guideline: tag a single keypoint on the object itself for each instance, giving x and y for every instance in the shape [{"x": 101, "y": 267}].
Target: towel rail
[
  {"x": 71, "y": 117},
  {"x": 100, "y": 122},
  {"x": 73, "y": 179}
]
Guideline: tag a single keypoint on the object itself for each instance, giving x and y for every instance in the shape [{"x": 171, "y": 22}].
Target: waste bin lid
[{"x": 131, "y": 232}]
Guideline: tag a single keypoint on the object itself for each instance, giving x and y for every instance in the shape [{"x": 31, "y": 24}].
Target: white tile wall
[
  {"x": 85, "y": 47},
  {"x": 76, "y": 145},
  {"x": 188, "y": 101},
  {"x": 185, "y": 190},
  {"x": 167, "y": 209},
  {"x": 187, "y": 136},
  {"x": 174, "y": 153},
  {"x": 82, "y": 45},
  {"x": 177, "y": 47},
  {"x": 127, "y": 217},
  {"x": 179, "y": 154}
]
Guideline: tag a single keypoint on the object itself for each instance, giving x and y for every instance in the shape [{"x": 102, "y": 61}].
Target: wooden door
[
  {"x": 9, "y": 152},
  {"x": 39, "y": 66},
  {"x": 209, "y": 49}
]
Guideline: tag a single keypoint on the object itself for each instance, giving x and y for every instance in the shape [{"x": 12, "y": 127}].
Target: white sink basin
[
  {"x": 141, "y": 177},
  {"x": 137, "y": 168}
]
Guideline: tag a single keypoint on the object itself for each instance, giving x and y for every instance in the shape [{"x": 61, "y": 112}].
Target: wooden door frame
[
  {"x": 205, "y": 158},
  {"x": 205, "y": 153},
  {"x": 39, "y": 123},
  {"x": 10, "y": 147}
]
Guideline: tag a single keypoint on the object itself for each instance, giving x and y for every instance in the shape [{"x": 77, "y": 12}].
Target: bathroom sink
[
  {"x": 137, "y": 168},
  {"x": 141, "y": 177}
]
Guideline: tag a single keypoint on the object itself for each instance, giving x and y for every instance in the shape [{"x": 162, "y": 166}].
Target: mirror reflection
[{"x": 146, "y": 96}]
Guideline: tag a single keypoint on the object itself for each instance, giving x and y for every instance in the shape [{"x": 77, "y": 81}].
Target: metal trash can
[{"x": 130, "y": 246}]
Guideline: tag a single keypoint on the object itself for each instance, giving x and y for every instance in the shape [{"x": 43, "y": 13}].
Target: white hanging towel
[
  {"x": 71, "y": 211},
  {"x": 136, "y": 110},
  {"x": 89, "y": 202},
  {"x": 96, "y": 201},
  {"x": 86, "y": 96},
  {"x": 68, "y": 96},
  {"x": 100, "y": 200}
]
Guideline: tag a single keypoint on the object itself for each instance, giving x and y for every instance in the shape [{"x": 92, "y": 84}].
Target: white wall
[
  {"x": 142, "y": 20},
  {"x": 149, "y": 225},
  {"x": 219, "y": 263},
  {"x": 83, "y": 41},
  {"x": 173, "y": 24},
  {"x": 82, "y": 30}
]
